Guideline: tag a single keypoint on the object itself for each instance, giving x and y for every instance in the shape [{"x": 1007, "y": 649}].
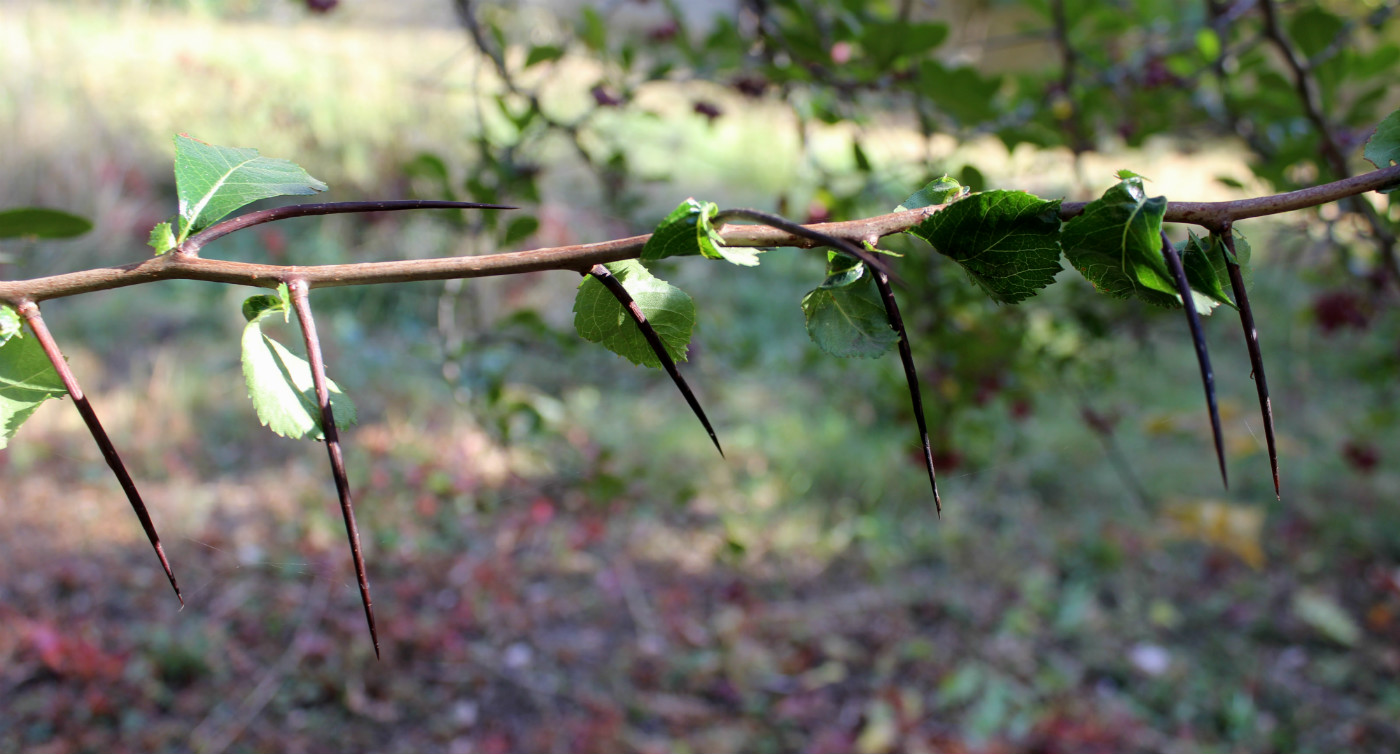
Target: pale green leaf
[
  {"x": 689, "y": 230},
  {"x": 599, "y": 318},
  {"x": 27, "y": 379},
  {"x": 279, "y": 381},
  {"x": 937, "y": 191},
  {"x": 10, "y": 324},
  {"x": 162, "y": 238},
  {"x": 213, "y": 181}
]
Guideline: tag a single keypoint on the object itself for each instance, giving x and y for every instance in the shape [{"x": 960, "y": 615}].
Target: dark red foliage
[
  {"x": 708, "y": 109},
  {"x": 321, "y": 6},
  {"x": 1361, "y": 456},
  {"x": 605, "y": 97},
  {"x": 1339, "y": 309}
]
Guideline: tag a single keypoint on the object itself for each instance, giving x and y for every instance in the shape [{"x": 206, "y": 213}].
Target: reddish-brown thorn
[{"x": 302, "y": 306}]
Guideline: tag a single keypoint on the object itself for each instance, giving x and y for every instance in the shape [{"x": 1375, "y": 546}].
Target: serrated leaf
[
  {"x": 689, "y": 230},
  {"x": 1383, "y": 148},
  {"x": 41, "y": 222},
  {"x": 27, "y": 379},
  {"x": 1116, "y": 244},
  {"x": 845, "y": 314},
  {"x": 162, "y": 238},
  {"x": 599, "y": 318},
  {"x": 10, "y": 324},
  {"x": 937, "y": 191},
  {"x": 279, "y": 381},
  {"x": 212, "y": 181},
  {"x": 1007, "y": 241}
]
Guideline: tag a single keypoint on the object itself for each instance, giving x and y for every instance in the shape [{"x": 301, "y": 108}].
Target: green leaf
[
  {"x": 1116, "y": 244},
  {"x": 10, "y": 324},
  {"x": 279, "y": 381},
  {"x": 162, "y": 238},
  {"x": 886, "y": 42},
  {"x": 1206, "y": 271},
  {"x": 520, "y": 229},
  {"x": 543, "y": 54},
  {"x": 845, "y": 314},
  {"x": 937, "y": 191},
  {"x": 1383, "y": 148},
  {"x": 688, "y": 231},
  {"x": 599, "y": 318},
  {"x": 213, "y": 181},
  {"x": 1007, "y": 241},
  {"x": 41, "y": 222},
  {"x": 961, "y": 92},
  {"x": 595, "y": 30},
  {"x": 27, "y": 377}
]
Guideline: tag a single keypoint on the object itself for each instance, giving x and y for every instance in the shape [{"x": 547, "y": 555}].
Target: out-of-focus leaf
[
  {"x": 1236, "y": 528},
  {"x": 41, "y": 222},
  {"x": 1323, "y": 614},
  {"x": 1383, "y": 148}
]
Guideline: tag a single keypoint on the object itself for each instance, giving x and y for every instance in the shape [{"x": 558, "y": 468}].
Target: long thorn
[
  {"x": 30, "y": 312},
  {"x": 1198, "y": 338},
  {"x": 1256, "y": 356},
  {"x": 302, "y": 306},
  {"x": 906, "y": 355},
  {"x": 797, "y": 229},
  {"x": 615, "y": 287}
]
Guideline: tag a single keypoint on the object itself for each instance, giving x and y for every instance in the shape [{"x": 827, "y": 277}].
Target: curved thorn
[
  {"x": 30, "y": 312},
  {"x": 1256, "y": 356},
  {"x": 906, "y": 355},
  {"x": 298, "y": 291},
  {"x": 797, "y": 229},
  {"x": 1198, "y": 338},
  {"x": 615, "y": 287}
]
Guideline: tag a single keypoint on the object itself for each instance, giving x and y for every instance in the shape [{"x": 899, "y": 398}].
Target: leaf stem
[
  {"x": 1256, "y": 356},
  {"x": 1198, "y": 338},
  {"x": 30, "y": 311},
  {"x": 615, "y": 287},
  {"x": 301, "y": 304}
]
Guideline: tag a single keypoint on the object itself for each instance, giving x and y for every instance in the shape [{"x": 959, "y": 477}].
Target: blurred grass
[{"x": 555, "y": 548}]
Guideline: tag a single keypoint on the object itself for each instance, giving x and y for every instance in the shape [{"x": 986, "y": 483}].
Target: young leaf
[
  {"x": 41, "y": 222},
  {"x": 27, "y": 377},
  {"x": 280, "y": 383},
  {"x": 162, "y": 238},
  {"x": 600, "y": 318},
  {"x": 937, "y": 191},
  {"x": 213, "y": 181},
  {"x": 1007, "y": 241},
  {"x": 689, "y": 230},
  {"x": 1115, "y": 244},
  {"x": 845, "y": 315}
]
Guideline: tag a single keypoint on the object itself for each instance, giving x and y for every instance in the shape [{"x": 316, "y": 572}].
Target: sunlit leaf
[
  {"x": 41, "y": 222},
  {"x": 688, "y": 231},
  {"x": 213, "y": 181},
  {"x": 599, "y": 318},
  {"x": 845, "y": 314},
  {"x": 937, "y": 191},
  {"x": 27, "y": 377},
  {"x": 162, "y": 238},
  {"x": 279, "y": 381},
  {"x": 1007, "y": 241}
]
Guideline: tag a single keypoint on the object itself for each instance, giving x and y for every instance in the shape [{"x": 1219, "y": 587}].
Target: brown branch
[
  {"x": 300, "y": 303},
  {"x": 30, "y": 311},
  {"x": 580, "y": 258}
]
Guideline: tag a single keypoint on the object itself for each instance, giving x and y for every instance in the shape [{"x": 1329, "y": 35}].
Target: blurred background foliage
[{"x": 561, "y": 561}]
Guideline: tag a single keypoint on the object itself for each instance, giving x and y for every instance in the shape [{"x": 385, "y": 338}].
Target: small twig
[
  {"x": 30, "y": 311},
  {"x": 1256, "y": 356},
  {"x": 1198, "y": 338},
  {"x": 298, "y": 290},
  {"x": 194, "y": 243},
  {"x": 615, "y": 287}
]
